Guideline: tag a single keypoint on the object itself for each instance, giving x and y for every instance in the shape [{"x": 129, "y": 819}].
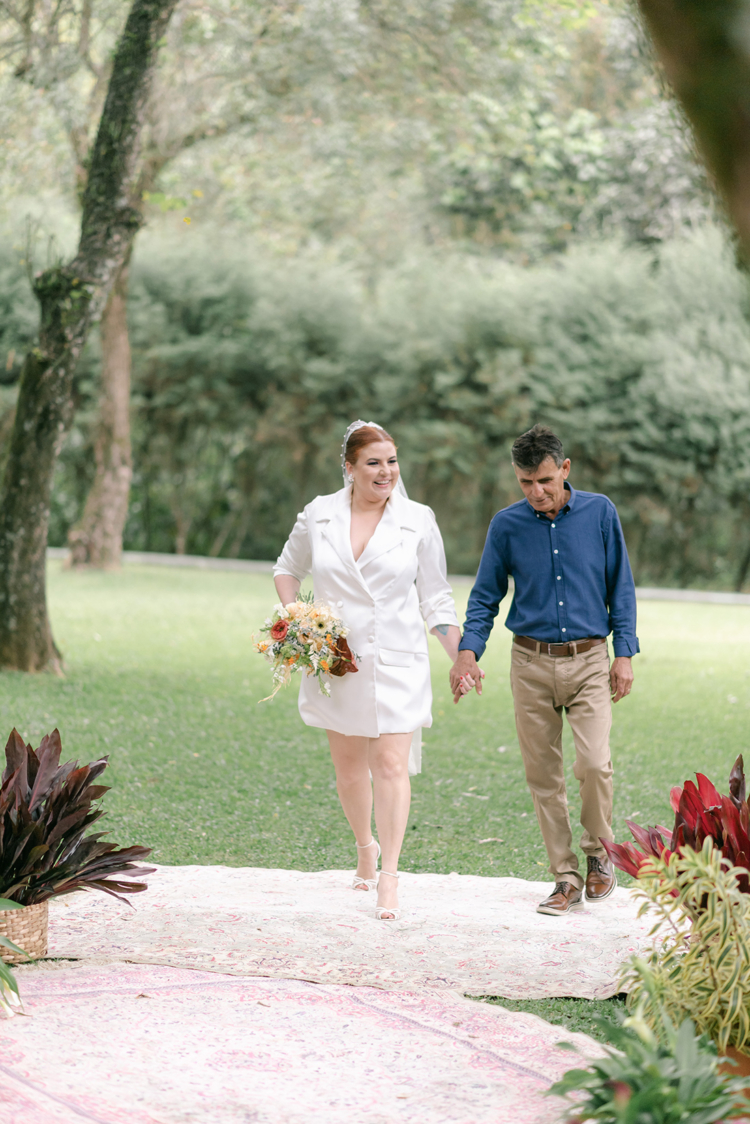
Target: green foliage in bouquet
[
  {"x": 672, "y": 1078},
  {"x": 45, "y": 811},
  {"x": 700, "y": 965}
]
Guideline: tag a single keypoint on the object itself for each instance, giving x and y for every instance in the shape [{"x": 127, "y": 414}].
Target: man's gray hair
[{"x": 534, "y": 446}]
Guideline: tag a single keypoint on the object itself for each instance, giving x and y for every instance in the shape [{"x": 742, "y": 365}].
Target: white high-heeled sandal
[
  {"x": 393, "y": 911},
  {"x": 359, "y": 883}
]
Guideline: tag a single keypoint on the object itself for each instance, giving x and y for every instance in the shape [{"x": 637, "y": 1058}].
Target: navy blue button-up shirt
[{"x": 572, "y": 576}]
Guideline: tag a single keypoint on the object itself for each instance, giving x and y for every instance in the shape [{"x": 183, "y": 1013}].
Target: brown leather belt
[{"x": 571, "y": 648}]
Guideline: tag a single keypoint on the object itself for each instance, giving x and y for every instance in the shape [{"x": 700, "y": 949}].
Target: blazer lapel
[
  {"x": 336, "y": 530},
  {"x": 389, "y": 531}
]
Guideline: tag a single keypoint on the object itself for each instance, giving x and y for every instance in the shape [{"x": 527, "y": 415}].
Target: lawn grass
[
  {"x": 160, "y": 675},
  {"x": 576, "y": 1015}
]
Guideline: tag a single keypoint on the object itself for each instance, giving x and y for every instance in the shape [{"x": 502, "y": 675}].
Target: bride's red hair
[{"x": 361, "y": 438}]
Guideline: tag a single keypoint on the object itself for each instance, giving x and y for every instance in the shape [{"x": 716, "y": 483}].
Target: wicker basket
[{"x": 27, "y": 928}]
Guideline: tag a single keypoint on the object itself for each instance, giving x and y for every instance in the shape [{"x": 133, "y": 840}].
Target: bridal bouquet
[{"x": 305, "y": 634}]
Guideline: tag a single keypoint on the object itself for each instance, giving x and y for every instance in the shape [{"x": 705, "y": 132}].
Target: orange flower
[{"x": 324, "y": 665}]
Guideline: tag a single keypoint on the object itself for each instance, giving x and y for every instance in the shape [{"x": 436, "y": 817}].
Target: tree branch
[
  {"x": 155, "y": 159},
  {"x": 109, "y": 220}
]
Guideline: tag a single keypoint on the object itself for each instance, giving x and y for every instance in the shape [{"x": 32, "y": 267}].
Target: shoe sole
[
  {"x": 603, "y": 897},
  {"x": 550, "y": 912}
]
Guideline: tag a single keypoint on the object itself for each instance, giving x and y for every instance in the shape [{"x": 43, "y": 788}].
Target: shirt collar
[{"x": 567, "y": 506}]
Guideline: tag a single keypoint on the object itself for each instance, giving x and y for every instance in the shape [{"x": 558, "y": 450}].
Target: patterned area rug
[
  {"x": 136, "y": 1044},
  {"x": 480, "y": 936}
]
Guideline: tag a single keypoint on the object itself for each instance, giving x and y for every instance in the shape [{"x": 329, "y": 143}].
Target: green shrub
[
  {"x": 645, "y": 1079},
  {"x": 700, "y": 966},
  {"x": 247, "y": 370}
]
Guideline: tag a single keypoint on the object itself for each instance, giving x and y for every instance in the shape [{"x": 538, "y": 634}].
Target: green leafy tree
[{"x": 71, "y": 296}]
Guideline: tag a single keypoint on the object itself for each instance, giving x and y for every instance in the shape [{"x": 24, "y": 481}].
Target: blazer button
[{"x": 370, "y": 639}]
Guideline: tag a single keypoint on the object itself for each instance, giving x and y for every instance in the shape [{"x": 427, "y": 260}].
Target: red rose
[{"x": 279, "y": 630}]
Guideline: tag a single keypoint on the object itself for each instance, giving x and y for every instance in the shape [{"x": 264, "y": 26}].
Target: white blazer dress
[{"x": 396, "y": 587}]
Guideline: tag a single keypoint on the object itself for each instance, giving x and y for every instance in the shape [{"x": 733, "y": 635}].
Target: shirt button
[
  {"x": 341, "y": 603},
  {"x": 553, "y": 526},
  {"x": 560, "y": 602},
  {"x": 370, "y": 639},
  {"x": 554, "y": 552},
  {"x": 559, "y": 578},
  {"x": 564, "y": 630}
]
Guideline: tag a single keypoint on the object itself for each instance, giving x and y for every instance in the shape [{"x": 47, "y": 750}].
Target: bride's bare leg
[
  {"x": 349, "y": 756},
  {"x": 389, "y": 765}
]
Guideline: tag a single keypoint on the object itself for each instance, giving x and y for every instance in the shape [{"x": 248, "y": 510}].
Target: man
[{"x": 573, "y": 586}]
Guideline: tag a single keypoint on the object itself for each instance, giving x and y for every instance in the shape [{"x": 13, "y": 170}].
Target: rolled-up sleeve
[
  {"x": 620, "y": 590},
  {"x": 435, "y": 595},
  {"x": 296, "y": 557},
  {"x": 489, "y": 589}
]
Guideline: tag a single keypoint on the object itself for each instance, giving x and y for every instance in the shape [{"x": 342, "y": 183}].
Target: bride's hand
[
  {"x": 465, "y": 685},
  {"x": 465, "y": 675}
]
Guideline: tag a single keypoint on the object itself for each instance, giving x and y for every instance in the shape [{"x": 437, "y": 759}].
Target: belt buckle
[{"x": 549, "y": 649}]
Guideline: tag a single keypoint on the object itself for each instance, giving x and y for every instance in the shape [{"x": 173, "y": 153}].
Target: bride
[{"x": 377, "y": 559}]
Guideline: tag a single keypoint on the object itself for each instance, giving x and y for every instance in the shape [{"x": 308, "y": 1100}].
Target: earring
[{"x": 350, "y": 478}]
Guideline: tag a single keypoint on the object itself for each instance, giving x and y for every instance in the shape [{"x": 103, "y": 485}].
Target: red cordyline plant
[
  {"x": 701, "y": 812},
  {"x": 45, "y": 811}
]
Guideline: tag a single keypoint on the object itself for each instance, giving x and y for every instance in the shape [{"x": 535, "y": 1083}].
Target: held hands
[
  {"x": 465, "y": 675},
  {"x": 620, "y": 677}
]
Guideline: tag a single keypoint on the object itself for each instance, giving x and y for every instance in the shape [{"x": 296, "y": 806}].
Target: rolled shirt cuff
[
  {"x": 626, "y": 645},
  {"x": 472, "y": 642},
  {"x": 280, "y": 569},
  {"x": 441, "y": 614}
]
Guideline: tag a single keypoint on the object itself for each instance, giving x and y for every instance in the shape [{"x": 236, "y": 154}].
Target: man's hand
[
  {"x": 620, "y": 677},
  {"x": 465, "y": 674}
]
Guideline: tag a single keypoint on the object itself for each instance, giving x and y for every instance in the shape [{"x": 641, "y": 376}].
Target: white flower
[{"x": 282, "y": 612}]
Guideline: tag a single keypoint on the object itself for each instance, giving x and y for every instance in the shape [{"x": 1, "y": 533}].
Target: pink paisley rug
[
  {"x": 138, "y": 1044},
  {"x": 480, "y": 936}
]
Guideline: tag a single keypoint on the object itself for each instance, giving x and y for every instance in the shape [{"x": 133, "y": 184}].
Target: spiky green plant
[
  {"x": 672, "y": 1078},
  {"x": 10, "y": 1000},
  {"x": 699, "y": 967},
  {"x": 45, "y": 811}
]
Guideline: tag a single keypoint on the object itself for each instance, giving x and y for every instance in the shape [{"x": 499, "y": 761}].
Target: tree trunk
[
  {"x": 96, "y": 539},
  {"x": 703, "y": 48},
  {"x": 71, "y": 298},
  {"x": 742, "y": 570},
  {"x": 182, "y": 524}
]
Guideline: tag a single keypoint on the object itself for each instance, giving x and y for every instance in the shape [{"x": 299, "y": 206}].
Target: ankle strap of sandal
[
  {"x": 364, "y": 846},
  {"x": 389, "y": 873}
]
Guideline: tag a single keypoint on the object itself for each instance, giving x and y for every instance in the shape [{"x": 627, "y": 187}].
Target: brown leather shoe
[
  {"x": 565, "y": 898},
  {"x": 601, "y": 880}
]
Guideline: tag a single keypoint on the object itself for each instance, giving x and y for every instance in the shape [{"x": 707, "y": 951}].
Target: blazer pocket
[{"x": 396, "y": 659}]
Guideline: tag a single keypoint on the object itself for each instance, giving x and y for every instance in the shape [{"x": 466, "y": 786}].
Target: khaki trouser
[{"x": 543, "y": 686}]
